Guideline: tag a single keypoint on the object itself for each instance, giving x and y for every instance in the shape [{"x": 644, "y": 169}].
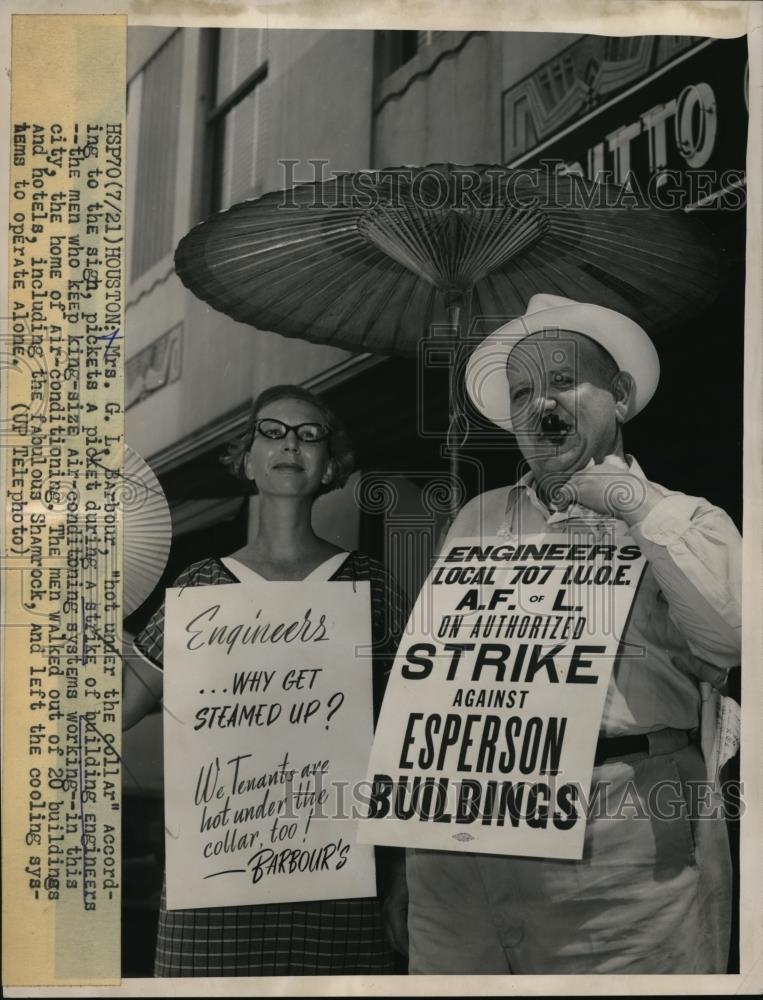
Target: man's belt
[{"x": 659, "y": 742}]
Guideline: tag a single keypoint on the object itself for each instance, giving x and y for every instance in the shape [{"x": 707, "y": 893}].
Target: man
[{"x": 652, "y": 892}]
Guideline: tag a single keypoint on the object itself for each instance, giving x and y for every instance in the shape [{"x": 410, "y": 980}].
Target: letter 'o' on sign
[{"x": 696, "y": 123}]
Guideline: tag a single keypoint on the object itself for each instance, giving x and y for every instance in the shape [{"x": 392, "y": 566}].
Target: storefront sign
[{"x": 673, "y": 130}]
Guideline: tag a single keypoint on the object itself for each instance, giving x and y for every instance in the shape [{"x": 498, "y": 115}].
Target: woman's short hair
[{"x": 340, "y": 449}]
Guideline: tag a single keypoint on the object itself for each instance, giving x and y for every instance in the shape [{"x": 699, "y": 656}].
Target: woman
[{"x": 294, "y": 449}]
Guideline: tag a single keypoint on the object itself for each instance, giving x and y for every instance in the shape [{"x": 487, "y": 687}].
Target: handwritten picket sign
[
  {"x": 487, "y": 735},
  {"x": 268, "y": 722}
]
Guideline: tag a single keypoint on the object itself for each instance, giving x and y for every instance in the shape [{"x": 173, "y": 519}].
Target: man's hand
[{"x": 610, "y": 488}]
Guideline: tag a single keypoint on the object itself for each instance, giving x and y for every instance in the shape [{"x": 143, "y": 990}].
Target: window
[
  {"x": 238, "y": 67},
  {"x": 556, "y": 80},
  {"x": 569, "y": 71},
  {"x": 524, "y": 135},
  {"x": 621, "y": 49},
  {"x": 154, "y": 96},
  {"x": 427, "y": 37},
  {"x": 546, "y": 88},
  {"x": 394, "y": 48}
]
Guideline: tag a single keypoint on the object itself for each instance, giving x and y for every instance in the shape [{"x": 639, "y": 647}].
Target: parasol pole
[{"x": 458, "y": 302}]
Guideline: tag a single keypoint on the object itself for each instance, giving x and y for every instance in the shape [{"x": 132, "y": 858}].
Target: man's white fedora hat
[{"x": 629, "y": 345}]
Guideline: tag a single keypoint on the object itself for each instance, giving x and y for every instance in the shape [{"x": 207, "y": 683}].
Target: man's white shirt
[{"x": 685, "y": 625}]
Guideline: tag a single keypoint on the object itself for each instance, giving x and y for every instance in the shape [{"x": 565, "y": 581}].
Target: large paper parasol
[
  {"x": 147, "y": 530},
  {"x": 370, "y": 261}
]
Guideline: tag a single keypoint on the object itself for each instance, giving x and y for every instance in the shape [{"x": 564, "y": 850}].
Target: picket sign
[
  {"x": 267, "y": 726},
  {"x": 488, "y": 730}
]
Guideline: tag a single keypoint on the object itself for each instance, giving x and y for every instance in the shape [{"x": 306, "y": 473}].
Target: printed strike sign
[
  {"x": 488, "y": 730},
  {"x": 268, "y": 712}
]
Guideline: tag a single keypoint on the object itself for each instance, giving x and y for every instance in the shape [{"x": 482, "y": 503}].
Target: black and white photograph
[
  {"x": 328, "y": 228},
  {"x": 437, "y": 425}
]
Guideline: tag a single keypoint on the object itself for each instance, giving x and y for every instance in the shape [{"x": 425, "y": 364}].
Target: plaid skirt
[{"x": 276, "y": 939}]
